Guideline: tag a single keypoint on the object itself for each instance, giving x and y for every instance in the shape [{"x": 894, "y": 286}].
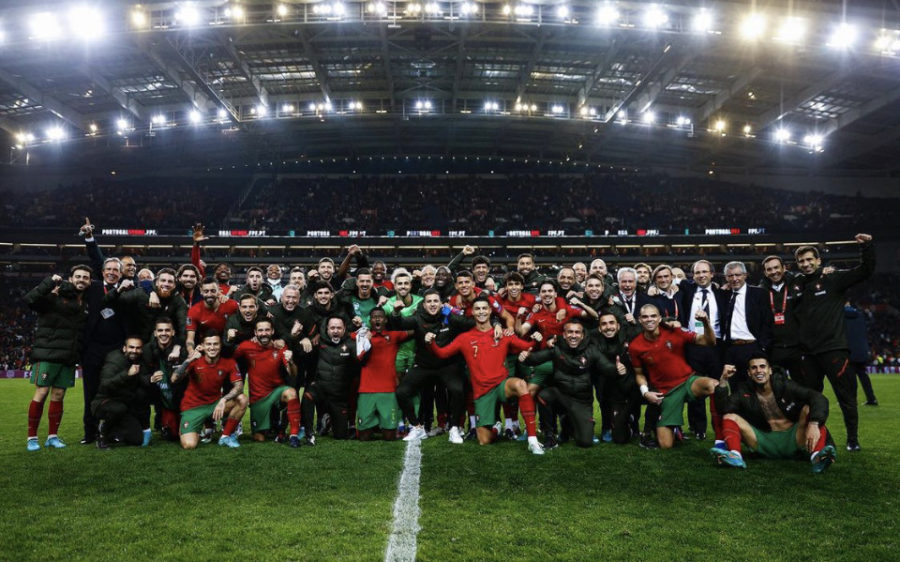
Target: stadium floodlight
[
  {"x": 753, "y": 26},
  {"x": 222, "y": 114},
  {"x": 194, "y": 116},
  {"x": 159, "y": 120},
  {"x": 622, "y": 116},
  {"x": 490, "y": 105},
  {"x": 261, "y": 110},
  {"x": 138, "y": 18},
  {"x": 188, "y": 15},
  {"x": 682, "y": 121},
  {"x": 287, "y": 108},
  {"x": 562, "y": 12},
  {"x": 281, "y": 10},
  {"x": 843, "y": 36},
  {"x": 93, "y": 128},
  {"x": 782, "y": 135},
  {"x": 888, "y": 42},
  {"x": 814, "y": 142},
  {"x": 507, "y": 9},
  {"x": 234, "y": 13},
  {"x": 121, "y": 125},
  {"x": 524, "y": 10},
  {"x": 55, "y": 133},
  {"x": 433, "y": 9},
  {"x": 44, "y": 26},
  {"x": 649, "y": 117},
  {"x": 413, "y": 8},
  {"x": 791, "y": 31},
  {"x": 557, "y": 109},
  {"x": 655, "y": 17},
  {"x": 312, "y": 106},
  {"x": 607, "y": 15},
  {"x": 533, "y": 107},
  {"x": 86, "y": 23},
  {"x": 377, "y": 8},
  {"x": 703, "y": 21},
  {"x": 469, "y": 8},
  {"x": 720, "y": 125}
]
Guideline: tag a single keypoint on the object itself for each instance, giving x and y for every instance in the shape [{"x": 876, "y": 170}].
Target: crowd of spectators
[{"x": 16, "y": 323}]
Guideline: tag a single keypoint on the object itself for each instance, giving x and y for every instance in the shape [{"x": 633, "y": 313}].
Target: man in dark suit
[
  {"x": 699, "y": 294},
  {"x": 104, "y": 330},
  {"x": 747, "y": 320}
]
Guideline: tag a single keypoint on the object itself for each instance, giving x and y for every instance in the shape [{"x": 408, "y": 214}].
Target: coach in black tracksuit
[
  {"x": 785, "y": 351},
  {"x": 335, "y": 370},
  {"x": 575, "y": 361},
  {"x": 820, "y": 313},
  {"x": 620, "y": 394},
  {"x": 121, "y": 401}
]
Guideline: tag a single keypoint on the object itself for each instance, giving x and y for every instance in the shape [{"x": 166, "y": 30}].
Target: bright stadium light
[
  {"x": 469, "y": 8},
  {"x": 377, "y": 8},
  {"x": 562, "y": 12},
  {"x": 138, "y": 19},
  {"x": 55, "y": 133},
  {"x": 748, "y": 130},
  {"x": 158, "y": 120},
  {"x": 44, "y": 26},
  {"x": 702, "y": 22},
  {"x": 194, "y": 116},
  {"x": 649, "y": 117},
  {"x": 791, "y": 31},
  {"x": 281, "y": 10},
  {"x": 814, "y": 142},
  {"x": 557, "y": 109},
  {"x": 260, "y": 110},
  {"x": 287, "y": 108},
  {"x": 491, "y": 105},
  {"x": 720, "y": 125},
  {"x": 607, "y": 15},
  {"x": 222, "y": 114},
  {"x": 782, "y": 135},
  {"x": 188, "y": 15},
  {"x": 682, "y": 121},
  {"x": 655, "y": 17},
  {"x": 234, "y": 13},
  {"x": 86, "y": 23},
  {"x": 121, "y": 125},
  {"x": 312, "y": 106},
  {"x": 888, "y": 42},
  {"x": 433, "y": 9},
  {"x": 93, "y": 128},
  {"x": 843, "y": 36},
  {"x": 753, "y": 26}
]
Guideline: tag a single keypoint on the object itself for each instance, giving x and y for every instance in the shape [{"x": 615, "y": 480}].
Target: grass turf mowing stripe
[{"x": 402, "y": 543}]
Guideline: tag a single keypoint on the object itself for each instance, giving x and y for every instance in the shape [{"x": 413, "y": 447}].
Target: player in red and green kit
[
  {"x": 491, "y": 383},
  {"x": 407, "y": 303},
  {"x": 210, "y": 314},
  {"x": 207, "y": 371},
  {"x": 377, "y": 404},
  {"x": 270, "y": 371}
]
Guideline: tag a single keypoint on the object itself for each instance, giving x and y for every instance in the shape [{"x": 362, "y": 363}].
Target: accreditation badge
[{"x": 779, "y": 318}]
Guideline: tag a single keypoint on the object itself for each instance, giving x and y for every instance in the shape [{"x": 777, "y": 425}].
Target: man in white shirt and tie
[{"x": 746, "y": 321}]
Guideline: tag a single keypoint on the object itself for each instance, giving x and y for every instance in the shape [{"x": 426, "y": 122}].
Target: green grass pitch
[{"x": 334, "y": 501}]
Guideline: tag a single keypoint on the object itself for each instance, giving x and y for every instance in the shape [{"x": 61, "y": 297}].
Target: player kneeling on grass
[
  {"x": 121, "y": 402},
  {"x": 207, "y": 371},
  {"x": 485, "y": 356},
  {"x": 774, "y": 416},
  {"x": 575, "y": 362},
  {"x": 377, "y": 404},
  {"x": 271, "y": 373}
]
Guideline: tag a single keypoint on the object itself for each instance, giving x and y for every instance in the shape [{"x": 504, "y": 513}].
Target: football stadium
[{"x": 449, "y": 280}]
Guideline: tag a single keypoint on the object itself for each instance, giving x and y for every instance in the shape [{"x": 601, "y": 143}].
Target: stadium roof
[{"x": 622, "y": 83}]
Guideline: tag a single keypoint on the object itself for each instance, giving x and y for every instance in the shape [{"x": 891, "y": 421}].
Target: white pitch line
[{"x": 402, "y": 543}]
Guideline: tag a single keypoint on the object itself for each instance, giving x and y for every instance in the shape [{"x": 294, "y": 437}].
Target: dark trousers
[
  {"x": 418, "y": 378},
  {"x": 332, "y": 401},
  {"x": 836, "y": 366},
  {"x": 92, "y": 364},
  {"x": 864, "y": 381},
  {"x": 791, "y": 360},
  {"x": 706, "y": 361},
  {"x": 124, "y": 420},
  {"x": 579, "y": 413}
]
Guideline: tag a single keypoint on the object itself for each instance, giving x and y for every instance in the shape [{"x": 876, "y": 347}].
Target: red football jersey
[
  {"x": 265, "y": 368},
  {"x": 527, "y": 301},
  {"x": 546, "y": 323},
  {"x": 379, "y": 371},
  {"x": 204, "y": 320},
  {"x": 662, "y": 360},
  {"x": 485, "y": 356},
  {"x": 457, "y": 301},
  {"x": 205, "y": 381}
]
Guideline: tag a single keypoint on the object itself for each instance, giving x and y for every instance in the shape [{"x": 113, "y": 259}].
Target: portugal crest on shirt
[
  {"x": 669, "y": 345},
  {"x": 275, "y": 355}
]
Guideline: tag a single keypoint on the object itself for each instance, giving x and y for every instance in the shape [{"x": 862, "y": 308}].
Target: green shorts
[
  {"x": 672, "y": 409},
  {"x": 540, "y": 374},
  {"x": 260, "y": 420},
  {"x": 486, "y": 405},
  {"x": 777, "y": 444},
  {"x": 377, "y": 409},
  {"x": 192, "y": 420},
  {"x": 46, "y": 373},
  {"x": 404, "y": 363}
]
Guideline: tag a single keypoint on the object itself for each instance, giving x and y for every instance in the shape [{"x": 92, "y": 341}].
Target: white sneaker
[
  {"x": 435, "y": 431},
  {"x": 535, "y": 446},
  {"x": 455, "y": 436},
  {"x": 417, "y": 433}
]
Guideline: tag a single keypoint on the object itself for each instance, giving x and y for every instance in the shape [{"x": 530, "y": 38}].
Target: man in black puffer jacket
[
  {"x": 335, "y": 370},
  {"x": 62, "y": 312},
  {"x": 575, "y": 361},
  {"x": 121, "y": 403}
]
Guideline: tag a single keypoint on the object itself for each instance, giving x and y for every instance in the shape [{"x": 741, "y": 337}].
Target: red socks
[
  {"x": 526, "y": 406},
  {"x": 732, "y": 434},
  {"x": 821, "y": 442},
  {"x": 293, "y": 415},
  {"x": 54, "y": 415},
  {"x": 230, "y": 425},
  {"x": 35, "y": 410}
]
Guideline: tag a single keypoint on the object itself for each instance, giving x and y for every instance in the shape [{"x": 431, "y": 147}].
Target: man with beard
[
  {"x": 664, "y": 294},
  {"x": 121, "y": 404},
  {"x": 61, "y": 313},
  {"x": 407, "y": 303},
  {"x": 785, "y": 351},
  {"x": 362, "y": 298},
  {"x": 143, "y": 309},
  {"x": 273, "y": 280},
  {"x": 159, "y": 364},
  {"x": 594, "y": 298},
  {"x": 254, "y": 286},
  {"x": 621, "y": 404},
  {"x": 298, "y": 279},
  {"x": 188, "y": 277},
  {"x": 820, "y": 314},
  {"x": 774, "y": 416},
  {"x": 658, "y": 359},
  {"x": 525, "y": 268},
  {"x": 337, "y": 366},
  {"x": 427, "y": 369},
  {"x": 271, "y": 372},
  {"x": 207, "y": 371},
  {"x": 485, "y": 356},
  {"x": 241, "y": 327},
  {"x": 481, "y": 269},
  {"x": 575, "y": 364},
  {"x": 377, "y": 351},
  {"x": 643, "y": 276},
  {"x": 210, "y": 315},
  {"x": 568, "y": 287}
]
